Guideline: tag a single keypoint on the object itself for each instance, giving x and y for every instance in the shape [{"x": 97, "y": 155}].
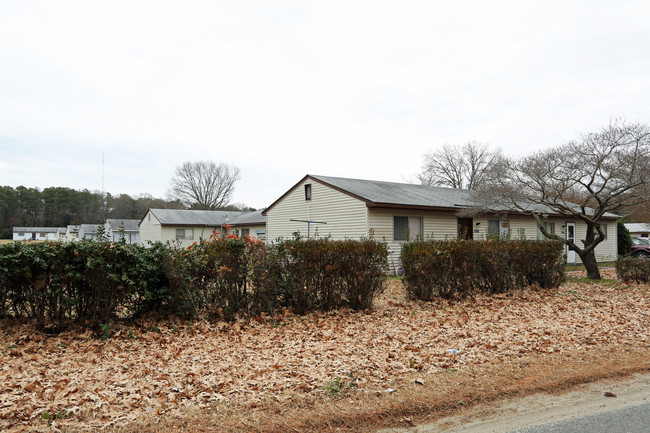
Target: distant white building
[
  {"x": 77, "y": 232},
  {"x": 127, "y": 229},
  {"x": 38, "y": 233}
]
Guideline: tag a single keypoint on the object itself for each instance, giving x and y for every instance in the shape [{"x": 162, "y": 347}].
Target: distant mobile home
[
  {"x": 38, "y": 233},
  {"x": 189, "y": 226}
]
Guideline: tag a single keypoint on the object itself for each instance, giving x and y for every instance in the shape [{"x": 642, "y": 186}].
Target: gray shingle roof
[
  {"x": 89, "y": 228},
  {"x": 249, "y": 218},
  {"x": 405, "y": 194},
  {"x": 392, "y": 194},
  {"x": 637, "y": 227},
  {"x": 36, "y": 229},
  {"x": 212, "y": 218},
  {"x": 129, "y": 225}
]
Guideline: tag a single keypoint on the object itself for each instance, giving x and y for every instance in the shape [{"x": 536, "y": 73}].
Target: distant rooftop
[
  {"x": 37, "y": 229},
  {"x": 248, "y": 219},
  {"x": 211, "y": 218},
  {"x": 129, "y": 225},
  {"x": 638, "y": 227}
]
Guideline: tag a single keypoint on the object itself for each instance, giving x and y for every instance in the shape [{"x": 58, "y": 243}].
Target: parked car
[{"x": 640, "y": 247}]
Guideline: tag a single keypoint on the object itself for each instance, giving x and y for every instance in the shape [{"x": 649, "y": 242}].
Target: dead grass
[{"x": 271, "y": 374}]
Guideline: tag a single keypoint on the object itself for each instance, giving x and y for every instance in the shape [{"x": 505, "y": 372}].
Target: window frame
[
  {"x": 547, "y": 224},
  {"x": 187, "y": 234},
  {"x": 308, "y": 191},
  {"x": 407, "y": 234}
]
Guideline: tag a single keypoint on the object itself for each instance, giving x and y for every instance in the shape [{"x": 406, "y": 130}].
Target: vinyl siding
[
  {"x": 436, "y": 225},
  {"x": 168, "y": 233},
  {"x": 607, "y": 250},
  {"x": 522, "y": 227},
  {"x": 346, "y": 216},
  {"x": 150, "y": 229},
  {"x": 251, "y": 230}
]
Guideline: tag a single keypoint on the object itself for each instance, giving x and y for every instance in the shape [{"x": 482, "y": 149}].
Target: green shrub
[
  {"x": 223, "y": 274},
  {"x": 454, "y": 268},
  {"x": 98, "y": 281},
  {"x": 87, "y": 280},
  {"x": 322, "y": 274},
  {"x": 629, "y": 269},
  {"x": 624, "y": 239}
]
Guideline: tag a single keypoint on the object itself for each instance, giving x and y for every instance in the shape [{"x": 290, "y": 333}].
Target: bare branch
[
  {"x": 584, "y": 179},
  {"x": 204, "y": 184},
  {"x": 465, "y": 167}
]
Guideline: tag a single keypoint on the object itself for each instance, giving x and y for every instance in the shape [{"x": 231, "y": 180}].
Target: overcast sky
[{"x": 282, "y": 89}]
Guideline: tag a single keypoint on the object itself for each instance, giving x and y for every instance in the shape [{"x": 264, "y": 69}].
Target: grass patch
[
  {"x": 581, "y": 267},
  {"x": 602, "y": 282}
]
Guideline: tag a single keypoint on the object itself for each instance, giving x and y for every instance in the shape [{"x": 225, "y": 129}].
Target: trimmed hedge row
[
  {"x": 96, "y": 281},
  {"x": 629, "y": 269},
  {"x": 320, "y": 274},
  {"x": 87, "y": 280},
  {"x": 450, "y": 269}
]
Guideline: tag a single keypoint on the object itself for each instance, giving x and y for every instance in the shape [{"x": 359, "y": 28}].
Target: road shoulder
[{"x": 537, "y": 409}]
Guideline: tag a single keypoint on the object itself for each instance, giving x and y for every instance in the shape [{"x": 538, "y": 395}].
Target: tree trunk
[{"x": 591, "y": 265}]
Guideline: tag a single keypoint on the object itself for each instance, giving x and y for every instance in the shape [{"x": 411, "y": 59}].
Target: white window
[
  {"x": 184, "y": 234},
  {"x": 549, "y": 227},
  {"x": 603, "y": 227},
  {"x": 261, "y": 234},
  {"x": 407, "y": 228},
  {"x": 21, "y": 234}
]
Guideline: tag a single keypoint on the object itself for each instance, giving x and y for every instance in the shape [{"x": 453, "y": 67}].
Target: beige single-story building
[
  {"x": 189, "y": 226},
  {"x": 345, "y": 208}
]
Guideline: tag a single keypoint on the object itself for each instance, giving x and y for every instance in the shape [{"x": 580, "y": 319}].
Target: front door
[
  {"x": 465, "y": 228},
  {"x": 570, "y": 236}
]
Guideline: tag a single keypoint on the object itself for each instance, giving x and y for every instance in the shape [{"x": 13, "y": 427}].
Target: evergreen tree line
[{"x": 59, "y": 207}]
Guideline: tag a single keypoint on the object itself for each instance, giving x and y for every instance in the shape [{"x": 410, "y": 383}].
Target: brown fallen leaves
[{"x": 154, "y": 370}]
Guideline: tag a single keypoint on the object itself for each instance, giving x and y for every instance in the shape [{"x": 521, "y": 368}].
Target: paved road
[
  {"x": 585, "y": 409},
  {"x": 633, "y": 419}
]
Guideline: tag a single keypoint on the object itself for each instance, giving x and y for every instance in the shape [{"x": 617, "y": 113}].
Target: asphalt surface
[{"x": 633, "y": 419}]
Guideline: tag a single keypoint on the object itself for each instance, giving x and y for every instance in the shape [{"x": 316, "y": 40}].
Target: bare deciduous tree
[
  {"x": 204, "y": 184},
  {"x": 584, "y": 179},
  {"x": 467, "y": 166}
]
